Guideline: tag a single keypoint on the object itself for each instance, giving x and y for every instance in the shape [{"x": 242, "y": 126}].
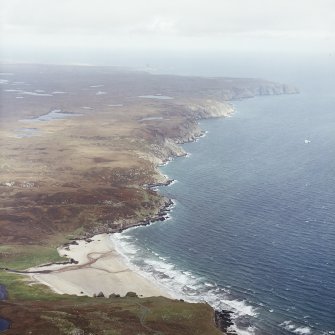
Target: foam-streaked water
[{"x": 253, "y": 229}]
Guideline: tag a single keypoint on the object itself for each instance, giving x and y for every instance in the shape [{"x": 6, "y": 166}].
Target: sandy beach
[{"x": 100, "y": 268}]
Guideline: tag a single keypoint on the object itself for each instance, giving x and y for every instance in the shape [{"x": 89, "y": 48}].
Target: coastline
[
  {"x": 95, "y": 265},
  {"x": 101, "y": 191},
  {"x": 109, "y": 271},
  {"x": 102, "y": 270}
]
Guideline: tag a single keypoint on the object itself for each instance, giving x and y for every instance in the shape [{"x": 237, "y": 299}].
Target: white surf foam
[
  {"x": 37, "y": 94},
  {"x": 183, "y": 284},
  {"x": 249, "y": 331},
  {"x": 14, "y": 91},
  {"x": 303, "y": 330},
  {"x": 174, "y": 181},
  {"x": 178, "y": 283},
  {"x": 300, "y": 330},
  {"x": 158, "y": 96}
]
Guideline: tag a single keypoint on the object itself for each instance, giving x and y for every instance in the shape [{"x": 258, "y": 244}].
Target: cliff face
[
  {"x": 168, "y": 144},
  {"x": 210, "y": 109},
  {"x": 263, "y": 89},
  {"x": 275, "y": 89}
]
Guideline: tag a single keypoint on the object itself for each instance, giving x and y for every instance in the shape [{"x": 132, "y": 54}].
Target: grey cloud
[
  {"x": 164, "y": 21},
  {"x": 181, "y": 17}
]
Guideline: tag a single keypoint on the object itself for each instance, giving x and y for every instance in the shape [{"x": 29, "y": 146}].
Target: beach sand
[{"x": 100, "y": 268}]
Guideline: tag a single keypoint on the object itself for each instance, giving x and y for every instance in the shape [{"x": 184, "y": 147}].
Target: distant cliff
[{"x": 167, "y": 140}]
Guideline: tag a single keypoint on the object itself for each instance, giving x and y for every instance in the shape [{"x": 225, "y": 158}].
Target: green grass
[
  {"x": 19, "y": 288},
  {"x": 117, "y": 316},
  {"x": 20, "y": 257}
]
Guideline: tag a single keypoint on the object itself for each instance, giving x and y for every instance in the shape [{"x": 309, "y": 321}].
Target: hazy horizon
[{"x": 138, "y": 34}]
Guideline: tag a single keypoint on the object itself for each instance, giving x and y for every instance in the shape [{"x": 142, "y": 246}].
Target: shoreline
[
  {"x": 111, "y": 268},
  {"x": 164, "y": 180},
  {"x": 95, "y": 265},
  {"x": 110, "y": 173},
  {"x": 99, "y": 268}
]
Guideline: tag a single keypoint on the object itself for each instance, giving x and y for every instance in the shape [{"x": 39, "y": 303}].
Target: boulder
[
  {"x": 131, "y": 295},
  {"x": 100, "y": 295},
  {"x": 113, "y": 295}
]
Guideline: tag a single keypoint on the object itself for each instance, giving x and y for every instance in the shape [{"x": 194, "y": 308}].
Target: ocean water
[{"x": 253, "y": 227}]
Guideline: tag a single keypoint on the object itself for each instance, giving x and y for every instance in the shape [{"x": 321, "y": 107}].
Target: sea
[{"x": 253, "y": 225}]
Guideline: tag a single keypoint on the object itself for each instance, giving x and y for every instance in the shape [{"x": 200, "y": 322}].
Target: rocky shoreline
[
  {"x": 222, "y": 318},
  {"x": 223, "y": 321},
  {"x": 163, "y": 152},
  {"x": 169, "y": 149}
]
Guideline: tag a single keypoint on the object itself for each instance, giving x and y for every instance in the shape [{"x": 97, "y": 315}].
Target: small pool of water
[
  {"x": 26, "y": 132},
  {"x": 56, "y": 114},
  {"x": 162, "y": 97},
  {"x": 151, "y": 118},
  {"x": 4, "y": 325}
]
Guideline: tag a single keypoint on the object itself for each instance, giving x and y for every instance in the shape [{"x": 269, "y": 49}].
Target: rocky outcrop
[
  {"x": 131, "y": 295},
  {"x": 114, "y": 295},
  {"x": 165, "y": 149},
  {"x": 275, "y": 89},
  {"x": 263, "y": 89},
  {"x": 239, "y": 88},
  {"x": 210, "y": 109},
  {"x": 223, "y": 321}
]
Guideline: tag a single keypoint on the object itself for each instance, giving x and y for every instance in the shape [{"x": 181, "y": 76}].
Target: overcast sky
[{"x": 235, "y": 25}]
